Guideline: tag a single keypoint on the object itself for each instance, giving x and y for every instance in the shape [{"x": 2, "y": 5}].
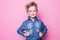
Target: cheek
[
  {"x": 35, "y": 13},
  {"x": 29, "y": 13}
]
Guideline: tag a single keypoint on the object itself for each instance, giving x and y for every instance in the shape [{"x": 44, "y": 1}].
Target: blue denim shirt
[{"x": 33, "y": 27}]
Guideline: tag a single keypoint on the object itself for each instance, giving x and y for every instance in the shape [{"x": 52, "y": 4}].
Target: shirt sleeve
[
  {"x": 43, "y": 28},
  {"x": 21, "y": 29}
]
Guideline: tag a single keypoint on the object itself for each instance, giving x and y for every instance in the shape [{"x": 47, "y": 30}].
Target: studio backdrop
[{"x": 13, "y": 13}]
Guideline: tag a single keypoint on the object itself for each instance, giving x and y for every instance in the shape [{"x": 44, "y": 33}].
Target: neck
[{"x": 32, "y": 18}]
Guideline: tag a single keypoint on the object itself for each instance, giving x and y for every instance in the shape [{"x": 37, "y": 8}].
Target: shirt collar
[{"x": 30, "y": 19}]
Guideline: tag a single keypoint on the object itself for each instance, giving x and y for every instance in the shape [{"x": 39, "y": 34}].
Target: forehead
[{"x": 32, "y": 8}]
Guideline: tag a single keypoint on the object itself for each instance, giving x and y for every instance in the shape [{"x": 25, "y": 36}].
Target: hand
[
  {"x": 27, "y": 33},
  {"x": 40, "y": 34}
]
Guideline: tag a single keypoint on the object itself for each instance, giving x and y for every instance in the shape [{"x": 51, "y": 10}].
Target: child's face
[{"x": 32, "y": 11}]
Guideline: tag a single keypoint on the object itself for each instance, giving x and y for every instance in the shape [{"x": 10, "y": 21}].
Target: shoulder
[
  {"x": 39, "y": 20},
  {"x": 26, "y": 21}
]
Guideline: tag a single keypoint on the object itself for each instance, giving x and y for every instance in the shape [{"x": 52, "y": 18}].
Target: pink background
[{"x": 13, "y": 13}]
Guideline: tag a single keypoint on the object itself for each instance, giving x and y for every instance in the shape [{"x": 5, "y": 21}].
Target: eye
[
  {"x": 30, "y": 11},
  {"x": 34, "y": 10}
]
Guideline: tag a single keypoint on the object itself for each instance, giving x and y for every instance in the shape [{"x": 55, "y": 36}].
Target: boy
[{"x": 32, "y": 28}]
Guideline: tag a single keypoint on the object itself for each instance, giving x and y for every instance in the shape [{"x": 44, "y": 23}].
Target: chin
[{"x": 32, "y": 16}]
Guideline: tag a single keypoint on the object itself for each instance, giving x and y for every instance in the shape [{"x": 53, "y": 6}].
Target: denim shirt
[{"x": 33, "y": 27}]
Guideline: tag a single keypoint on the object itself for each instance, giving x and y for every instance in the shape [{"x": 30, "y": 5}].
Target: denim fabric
[{"x": 33, "y": 27}]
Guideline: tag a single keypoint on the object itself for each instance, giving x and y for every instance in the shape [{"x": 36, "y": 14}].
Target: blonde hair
[{"x": 31, "y": 4}]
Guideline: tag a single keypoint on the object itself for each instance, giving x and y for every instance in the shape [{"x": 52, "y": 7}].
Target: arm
[
  {"x": 21, "y": 29},
  {"x": 43, "y": 28}
]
